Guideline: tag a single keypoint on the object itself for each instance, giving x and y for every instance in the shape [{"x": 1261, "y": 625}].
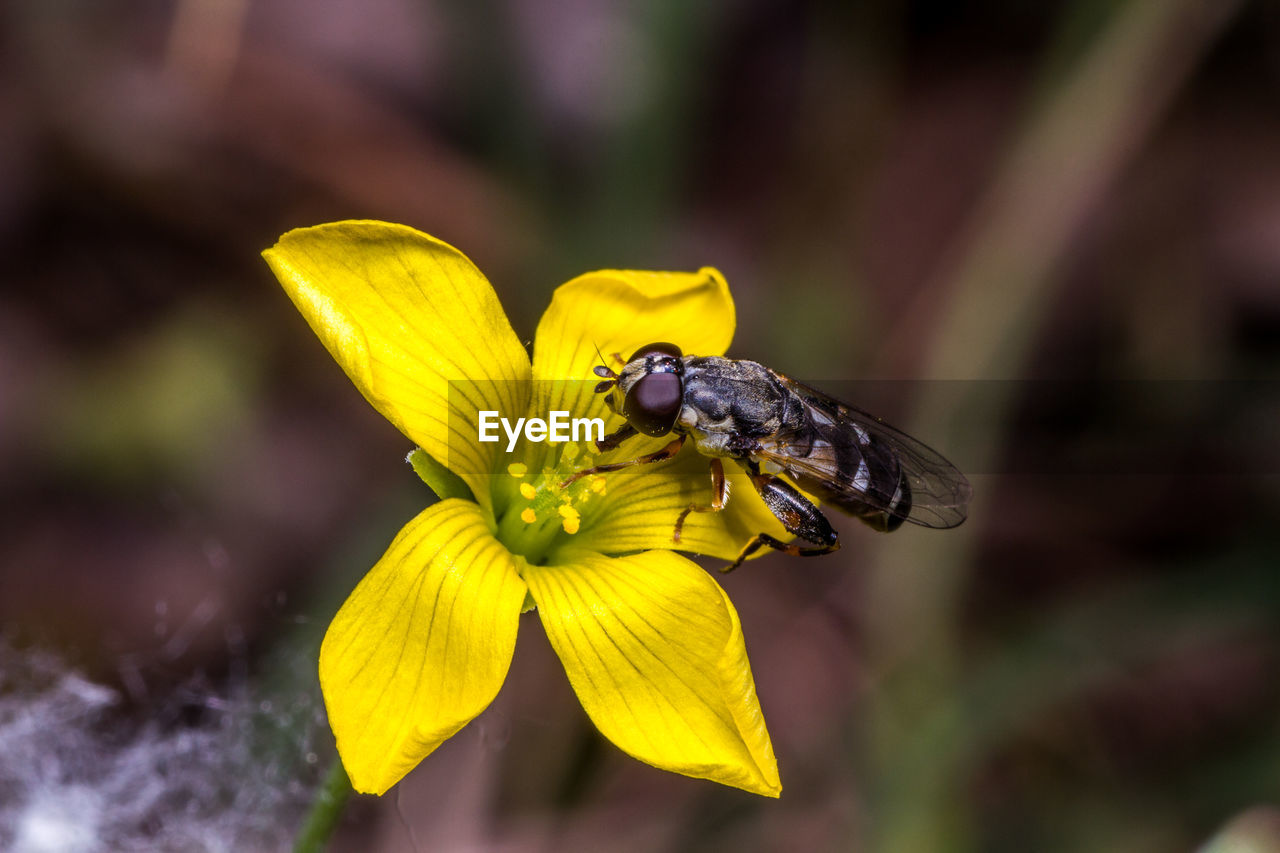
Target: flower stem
[{"x": 326, "y": 811}]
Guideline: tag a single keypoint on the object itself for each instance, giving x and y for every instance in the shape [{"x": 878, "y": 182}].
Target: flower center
[{"x": 543, "y": 511}]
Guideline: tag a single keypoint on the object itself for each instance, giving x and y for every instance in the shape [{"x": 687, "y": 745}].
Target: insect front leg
[
  {"x": 719, "y": 497},
  {"x": 613, "y": 439},
  {"x": 662, "y": 455},
  {"x": 797, "y": 514}
]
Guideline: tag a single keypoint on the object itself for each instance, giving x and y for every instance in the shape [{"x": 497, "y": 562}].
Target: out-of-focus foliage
[{"x": 1080, "y": 200}]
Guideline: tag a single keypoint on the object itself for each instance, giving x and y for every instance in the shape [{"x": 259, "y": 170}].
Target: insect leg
[
  {"x": 719, "y": 497},
  {"x": 658, "y": 456},
  {"x": 613, "y": 439},
  {"x": 797, "y": 514}
]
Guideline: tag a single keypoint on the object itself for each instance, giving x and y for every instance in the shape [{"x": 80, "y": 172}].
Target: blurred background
[{"x": 1045, "y": 238}]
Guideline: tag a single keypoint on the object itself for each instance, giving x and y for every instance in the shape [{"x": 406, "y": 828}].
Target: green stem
[
  {"x": 326, "y": 811},
  {"x": 1089, "y": 125}
]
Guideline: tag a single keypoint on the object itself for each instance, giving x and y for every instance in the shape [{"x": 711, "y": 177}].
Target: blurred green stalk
[
  {"x": 326, "y": 811},
  {"x": 1090, "y": 122}
]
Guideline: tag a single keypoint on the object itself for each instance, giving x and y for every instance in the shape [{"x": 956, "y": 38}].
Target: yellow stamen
[
  {"x": 528, "y": 516},
  {"x": 571, "y": 525},
  {"x": 598, "y": 484},
  {"x": 567, "y": 511},
  {"x": 527, "y": 491},
  {"x": 517, "y": 469}
]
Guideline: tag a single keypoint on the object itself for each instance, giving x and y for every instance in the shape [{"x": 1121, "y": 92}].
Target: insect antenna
[{"x": 602, "y": 370}]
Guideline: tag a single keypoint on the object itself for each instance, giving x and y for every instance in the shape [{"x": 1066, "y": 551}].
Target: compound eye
[
  {"x": 653, "y": 403},
  {"x": 659, "y": 348}
]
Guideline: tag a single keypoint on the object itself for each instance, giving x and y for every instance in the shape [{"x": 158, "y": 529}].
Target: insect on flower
[
  {"x": 769, "y": 424},
  {"x": 649, "y": 642}
]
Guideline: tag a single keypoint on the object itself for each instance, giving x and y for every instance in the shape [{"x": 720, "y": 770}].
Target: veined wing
[{"x": 859, "y": 463}]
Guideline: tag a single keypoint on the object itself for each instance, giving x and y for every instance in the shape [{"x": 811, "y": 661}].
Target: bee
[{"x": 769, "y": 425}]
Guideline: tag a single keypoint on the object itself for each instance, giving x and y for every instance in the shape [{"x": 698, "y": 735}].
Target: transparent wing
[{"x": 859, "y": 463}]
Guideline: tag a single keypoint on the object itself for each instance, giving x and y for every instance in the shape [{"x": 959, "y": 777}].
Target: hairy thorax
[{"x": 728, "y": 404}]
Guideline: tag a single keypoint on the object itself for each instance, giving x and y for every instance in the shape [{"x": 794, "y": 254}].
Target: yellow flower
[{"x": 650, "y": 642}]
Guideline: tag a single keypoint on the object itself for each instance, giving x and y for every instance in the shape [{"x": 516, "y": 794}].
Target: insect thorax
[{"x": 728, "y": 401}]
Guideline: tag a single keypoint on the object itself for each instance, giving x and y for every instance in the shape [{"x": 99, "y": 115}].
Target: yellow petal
[
  {"x": 619, "y": 311},
  {"x": 653, "y": 648},
  {"x": 404, "y": 314},
  {"x": 422, "y": 645},
  {"x": 642, "y": 504}
]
